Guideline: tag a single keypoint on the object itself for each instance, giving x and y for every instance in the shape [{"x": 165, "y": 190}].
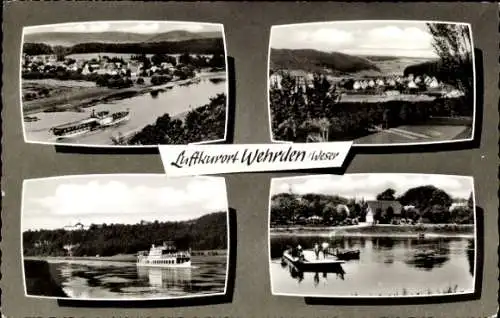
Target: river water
[
  {"x": 124, "y": 280},
  {"x": 144, "y": 110},
  {"x": 388, "y": 266}
]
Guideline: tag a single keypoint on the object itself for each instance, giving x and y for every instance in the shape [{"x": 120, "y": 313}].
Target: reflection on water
[
  {"x": 144, "y": 110},
  {"x": 335, "y": 271},
  {"x": 124, "y": 280},
  {"x": 387, "y": 266},
  {"x": 166, "y": 277}
]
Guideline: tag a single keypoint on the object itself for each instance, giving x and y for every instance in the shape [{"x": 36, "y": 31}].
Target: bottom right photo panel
[{"x": 372, "y": 235}]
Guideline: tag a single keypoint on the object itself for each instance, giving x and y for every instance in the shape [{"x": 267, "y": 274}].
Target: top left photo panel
[{"x": 124, "y": 83}]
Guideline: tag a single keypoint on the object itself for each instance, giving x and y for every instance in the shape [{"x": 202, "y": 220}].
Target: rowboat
[
  {"x": 345, "y": 254},
  {"x": 309, "y": 262}
]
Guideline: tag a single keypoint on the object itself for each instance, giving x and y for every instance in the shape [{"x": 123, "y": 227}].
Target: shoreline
[
  {"x": 386, "y": 230},
  {"x": 96, "y": 95},
  {"x": 122, "y": 258},
  {"x": 368, "y": 235}
]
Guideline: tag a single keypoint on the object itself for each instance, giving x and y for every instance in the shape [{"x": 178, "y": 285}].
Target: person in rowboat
[
  {"x": 324, "y": 248},
  {"x": 316, "y": 250},
  {"x": 300, "y": 254}
]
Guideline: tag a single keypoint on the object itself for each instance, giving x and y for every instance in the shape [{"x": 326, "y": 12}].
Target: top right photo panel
[{"x": 376, "y": 83}]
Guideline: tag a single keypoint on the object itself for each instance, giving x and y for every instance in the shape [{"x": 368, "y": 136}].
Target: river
[
  {"x": 144, "y": 110},
  {"x": 387, "y": 266},
  {"x": 101, "y": 280}
]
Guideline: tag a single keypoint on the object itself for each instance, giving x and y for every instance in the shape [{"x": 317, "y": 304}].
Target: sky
[
  {"x": 124, "y": 199},
  {"x": 143, "y": 27},
  {"x": 367, "y": 186},
  {"x": 386, "y": 38}
]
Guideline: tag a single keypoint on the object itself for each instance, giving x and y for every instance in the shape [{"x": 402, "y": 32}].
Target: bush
[{"x": 160, "y": 79}]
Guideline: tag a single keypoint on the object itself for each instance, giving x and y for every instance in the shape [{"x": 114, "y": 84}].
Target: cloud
[
  {"x": 393, "y": 37},
  {"x": 82, "y": 27},
  {"x": 369, "y": 185},
  {"x": 378, "y": 38},
  {"x": 326, "y": 38},
  {"x": 124, "y": 202},
  {"x": 193, "y": 27},
  {"x": 142, "y": 28}
]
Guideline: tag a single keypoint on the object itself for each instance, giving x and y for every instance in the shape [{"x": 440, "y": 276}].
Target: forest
[
  {"x": 317, "y": 61},
  {"x": 208, "y": 232},
  {"x": 425, "y": 204},
  {"x": 194, "y": 46},
  {"x": 204, "y": 123}
]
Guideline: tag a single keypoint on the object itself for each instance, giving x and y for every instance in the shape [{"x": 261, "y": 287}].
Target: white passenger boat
[
  {"x": 166, "y": 255},
  {"x": 98, "y": 120}
]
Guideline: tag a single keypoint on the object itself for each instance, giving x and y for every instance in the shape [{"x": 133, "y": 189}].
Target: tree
[
  {"x": 329, "y": 212},
  {"x": 470, "y": 202},
  {"x": 453, "y": 45},
  {"x": 185, "y": 58},
  {"x": 157, "y": 59},
  {"x": 217, "y": 60},
  {"x": 462, "y": 215},
  {"x": 437, "y": 214},
  {"x": 387, "y": 195},
  {"x": 378, "y": 215},
  {"x": 284, "y": 207},
  {"x": 424, "y": 197},
  {"x": 389, "y": 214}
]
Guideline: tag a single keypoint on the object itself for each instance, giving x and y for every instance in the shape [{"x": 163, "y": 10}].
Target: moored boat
[
  {"x": 74, "y": 129},
  {"x": 105, "y": 119},
  {"x": 98, "y": 120},
  {"x": 347, "y": 254},
  {"x": 166, "y": 255}
]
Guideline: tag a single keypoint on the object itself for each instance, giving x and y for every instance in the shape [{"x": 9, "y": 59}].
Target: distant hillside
[
  {"x": 73, "y": 38},
  {"x": 316, "y": 61},
  {"x": 183, "y": 36},
  {"x": 375, "y": 58},
  {"x": 194, "y": 46},
  {"x": 397, "y": 65},
  {"x": 208, "y": 232}
]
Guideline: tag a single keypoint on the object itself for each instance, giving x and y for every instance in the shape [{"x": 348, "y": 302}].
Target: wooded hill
[
  {"x": 208, "y": 232},
  {"x": 317, "y": 61},
  {"x": 192, "y": 46},
  {"x": 72, "y": 38}
]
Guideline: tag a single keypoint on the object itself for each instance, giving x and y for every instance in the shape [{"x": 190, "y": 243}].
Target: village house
[
  {"x": 384, "y": 206},
  {"x": 275, "y": 80},
  {"x": 41, "y": 243},
  {"x": 77, "y": 227},
  {"x": 456, "y": 205}
]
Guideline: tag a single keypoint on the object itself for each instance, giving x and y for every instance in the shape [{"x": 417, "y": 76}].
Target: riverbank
[
  {"x": 76, "y": 98},
  {"x": 382, "y": 230},
  {"x": 116, "y": 258}
]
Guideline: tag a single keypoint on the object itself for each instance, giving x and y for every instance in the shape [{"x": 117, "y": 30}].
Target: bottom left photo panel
[{"x": 125, "y": 237}]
